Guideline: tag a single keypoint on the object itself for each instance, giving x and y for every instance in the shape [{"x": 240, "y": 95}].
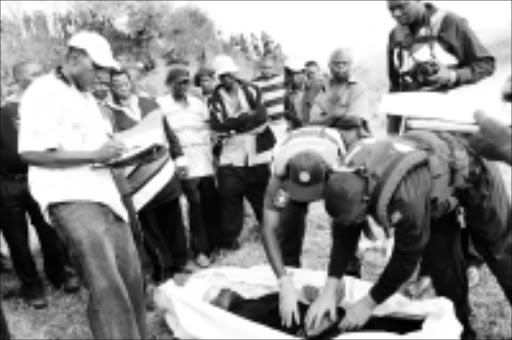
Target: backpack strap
[
  {"x": 388, "y": 183},
  {"x": 441, "y": 166}
]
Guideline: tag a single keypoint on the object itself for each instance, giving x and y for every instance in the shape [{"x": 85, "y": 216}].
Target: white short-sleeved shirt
[
  {"x": 190, "y": 123},
  {"x": 55, "y": 115}
]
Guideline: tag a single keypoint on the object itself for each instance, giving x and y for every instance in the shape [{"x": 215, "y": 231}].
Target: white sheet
[{"x": 190, "y": 317}]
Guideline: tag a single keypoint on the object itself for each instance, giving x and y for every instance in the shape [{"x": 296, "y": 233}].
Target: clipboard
[{"x": 144, "y": 142}]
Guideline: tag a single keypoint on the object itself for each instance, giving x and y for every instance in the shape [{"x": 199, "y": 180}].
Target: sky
[{"x": 312, "y": 29}]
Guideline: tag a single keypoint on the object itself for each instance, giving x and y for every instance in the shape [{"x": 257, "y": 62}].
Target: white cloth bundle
[{"x": 191, "y": 317}]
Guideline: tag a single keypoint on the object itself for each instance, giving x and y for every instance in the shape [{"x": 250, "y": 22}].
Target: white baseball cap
[
  {"x": 224, "y": 64},
  {"x": 295, "y": 64},
  {"x": 96, "y": 46}
]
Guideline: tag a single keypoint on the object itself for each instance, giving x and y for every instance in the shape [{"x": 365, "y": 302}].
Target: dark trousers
[
  {"x": 164, "y": 238},
  {"x": 473, "y": 259},
  {"x": 16, "y": 204},
  {"x": 4, "y": 330},
  {"x": 444, "y": 259},
  {"x": 203, "y": 214},
  {"x": 471, "y": 256},
  {"x": 102, "y": 246},
  {"x": 235, "y": 184},
  {"x": 291, "y": 233},
  {"x": 488, "y": 219}
]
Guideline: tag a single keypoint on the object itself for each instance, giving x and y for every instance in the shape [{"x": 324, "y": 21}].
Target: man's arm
[
  {"x": 494, "y": 139},
  {"x": 393, "y": 74},
  {"x": 259, "y": 115},
  {"x": 357, "y": 110},
  {"x": 476, "y": 62},
  {"x": 244, "y": 123},
  {"x": 58, "y": 159},
  {"x": 271, "y": 218},
  {"x": 410, "y": 211},
  {"x": 218, "y": 124},
  {"x": 344, "y": 246}
]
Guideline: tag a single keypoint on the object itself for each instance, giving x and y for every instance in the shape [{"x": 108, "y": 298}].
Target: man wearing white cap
[
  {"x": 63, "y": 135},
  {"x": 237, "y": 112}
]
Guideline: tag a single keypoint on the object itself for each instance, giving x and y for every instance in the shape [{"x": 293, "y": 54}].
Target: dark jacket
[
  {"x": 220, "y": 120},
  {"x": 414, "y": 208},
  {"x": 475, "y": 62}
]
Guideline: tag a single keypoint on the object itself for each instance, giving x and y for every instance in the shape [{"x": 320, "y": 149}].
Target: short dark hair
[
  {"x": 311, "y": 63},
  {"x": 120, "y": 72},
  {"x": 203, "y": 72}
]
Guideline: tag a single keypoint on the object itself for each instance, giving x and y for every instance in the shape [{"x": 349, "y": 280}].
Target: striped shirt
[{"x": 273, "y": 92}]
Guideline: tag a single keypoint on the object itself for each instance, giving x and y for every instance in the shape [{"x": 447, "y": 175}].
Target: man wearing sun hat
[
  {"x": 301, "y": 166},
  {"x": 63, "y": 137},
  {"x": 238, "y": 114}
]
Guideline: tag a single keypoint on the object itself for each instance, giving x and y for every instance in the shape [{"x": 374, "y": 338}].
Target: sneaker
[
  {"x": 35, "y": 297},
  {"x": 149, "y": 297},
  {"x": 72, "y": 284},
  {"x": 202, "y": 261}
]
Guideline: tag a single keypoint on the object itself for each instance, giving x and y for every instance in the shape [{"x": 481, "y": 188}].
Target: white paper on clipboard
[{"x": 146, "y": 137}]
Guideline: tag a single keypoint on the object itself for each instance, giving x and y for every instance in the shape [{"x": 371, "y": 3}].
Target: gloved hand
[
  {"x": 288, "y": 302},
  {"x": 324, "y": 305},
  {"x": 358, "y": 314},
  {"x": 417, "y": 289}
]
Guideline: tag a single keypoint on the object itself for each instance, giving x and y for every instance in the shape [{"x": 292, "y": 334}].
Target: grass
[{"x": 65, "y": 317}]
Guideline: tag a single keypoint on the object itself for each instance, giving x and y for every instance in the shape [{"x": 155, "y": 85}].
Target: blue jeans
[{"x": 102, "y": 246}]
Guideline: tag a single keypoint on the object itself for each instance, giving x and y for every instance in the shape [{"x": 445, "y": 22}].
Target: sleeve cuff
[
  {"x": 453, "y": 78},
  {"x": 377, "y": 296}
]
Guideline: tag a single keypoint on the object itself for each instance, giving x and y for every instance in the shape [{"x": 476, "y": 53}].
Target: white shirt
[
  {"x": 55, "y": 115},
  {"x": 190, "y": 123}
]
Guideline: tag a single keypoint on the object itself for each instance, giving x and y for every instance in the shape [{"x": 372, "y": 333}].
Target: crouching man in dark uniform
[{"x": 413, "y": 185}]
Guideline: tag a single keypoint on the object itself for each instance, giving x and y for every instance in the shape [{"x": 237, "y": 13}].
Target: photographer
[
  {"x": 431, "y": 49},
  {"x": 434, "y": 50}
]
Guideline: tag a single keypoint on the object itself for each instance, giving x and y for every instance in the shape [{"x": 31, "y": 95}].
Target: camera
[{"x": 424, "y": 70}]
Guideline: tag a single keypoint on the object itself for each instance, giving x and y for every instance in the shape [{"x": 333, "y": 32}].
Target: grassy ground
[{"x": 65, "y": 316}]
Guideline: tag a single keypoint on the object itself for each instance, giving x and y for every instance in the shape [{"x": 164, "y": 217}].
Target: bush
[{"x": 151, "y": 33}]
